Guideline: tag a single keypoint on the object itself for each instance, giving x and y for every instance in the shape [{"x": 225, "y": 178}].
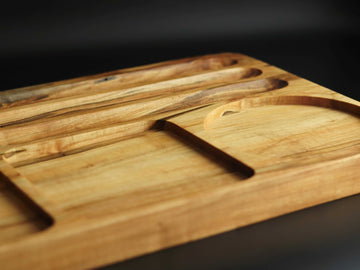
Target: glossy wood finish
[{"x": 103, "y": 168}]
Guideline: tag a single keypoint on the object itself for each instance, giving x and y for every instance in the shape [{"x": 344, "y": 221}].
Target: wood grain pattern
[{"x": 107, "y": 167}]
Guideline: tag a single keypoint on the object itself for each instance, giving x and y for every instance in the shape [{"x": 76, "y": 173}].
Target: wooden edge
[{"x": 213, "y": 212}]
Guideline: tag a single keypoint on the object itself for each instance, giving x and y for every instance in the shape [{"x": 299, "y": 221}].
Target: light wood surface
[{"x": 108, "y": 167}]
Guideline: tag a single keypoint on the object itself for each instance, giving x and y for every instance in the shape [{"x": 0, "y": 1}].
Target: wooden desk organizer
[{"x": 104, "y": 168}]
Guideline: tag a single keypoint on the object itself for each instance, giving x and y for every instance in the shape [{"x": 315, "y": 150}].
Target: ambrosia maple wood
[{"x": 104, "y": 168}]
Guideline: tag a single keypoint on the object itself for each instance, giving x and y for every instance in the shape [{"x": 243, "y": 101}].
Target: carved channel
[
  {"x": 118, "y": 78},
  {"x": 226, "y": 161},
  {"x": 19, "y": 216}
]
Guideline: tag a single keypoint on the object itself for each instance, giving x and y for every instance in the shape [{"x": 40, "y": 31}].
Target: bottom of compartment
[{"x": 154, "y": 167}]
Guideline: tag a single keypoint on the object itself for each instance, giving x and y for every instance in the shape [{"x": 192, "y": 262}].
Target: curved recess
[
  {"x": 246, "y": 103},
  {"x": 304, "y": 130}
]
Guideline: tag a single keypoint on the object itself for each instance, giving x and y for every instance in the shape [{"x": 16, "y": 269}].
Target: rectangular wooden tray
[{"x": 104, "y": 168}]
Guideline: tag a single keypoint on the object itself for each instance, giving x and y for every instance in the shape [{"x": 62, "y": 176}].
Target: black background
[{"x": 318, "y": 40}]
